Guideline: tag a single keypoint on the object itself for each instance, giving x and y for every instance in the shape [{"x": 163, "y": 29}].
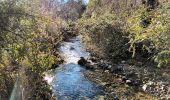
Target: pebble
[
  {"x": 110, "y": 66},
  {"x": 144, "y": 87},
  {"x": 106, "y": 71},
  {"x": 150, "y": 83},
  {"x": 116, "y": 98},
  {"x": 100, "y": 98},
  {"x": 104, "y": 83},
  {"x": 123, "y": 62},
  {"x": 128, "y": 81}
]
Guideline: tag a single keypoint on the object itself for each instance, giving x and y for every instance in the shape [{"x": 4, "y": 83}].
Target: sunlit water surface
[{"x": 68, "y": 81}]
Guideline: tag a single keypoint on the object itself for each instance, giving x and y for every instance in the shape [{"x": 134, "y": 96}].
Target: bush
[
  {"x": 163, "y": 58},
  {"x": 144, "y": 31},
  {"x": 27, "y": 42},
  {"x": 156, "y": 32},
  {"x": 104, "y": 35}
]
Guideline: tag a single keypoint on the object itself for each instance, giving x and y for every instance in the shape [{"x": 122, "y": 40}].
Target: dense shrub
[
  {"x": 111, "y": 27},
  {"x": 156, "y": 33},
  {"x": 104, "y": 35},
  {"x": 27, "y": 42}
]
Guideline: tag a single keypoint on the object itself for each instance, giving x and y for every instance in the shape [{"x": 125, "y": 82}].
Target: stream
[{"x": 68, "y": 81}]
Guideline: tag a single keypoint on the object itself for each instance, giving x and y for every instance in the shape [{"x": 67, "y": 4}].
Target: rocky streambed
[{"x": 131, "y": 79}]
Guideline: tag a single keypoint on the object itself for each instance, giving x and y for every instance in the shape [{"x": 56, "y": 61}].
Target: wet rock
[
  {"x": 93, "y": 59},
  {"x": 72, "y": 48},
  {"x": 116, "y": 98},
  {"x": 82, "y": 61},
  {"x": 54, "y": 66},
  {"x": 86, "y": 63},
  {"x": 89, "y": 66}
]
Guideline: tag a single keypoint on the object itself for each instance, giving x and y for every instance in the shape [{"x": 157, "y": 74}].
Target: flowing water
[{"x": 68, "y": 81}]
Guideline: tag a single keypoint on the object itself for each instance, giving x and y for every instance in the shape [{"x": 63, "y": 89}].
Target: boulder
[{"x": 82, "y": 61}]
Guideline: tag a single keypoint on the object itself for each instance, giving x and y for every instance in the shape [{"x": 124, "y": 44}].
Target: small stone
[
  {"x": 124, "y": 78},
  {"x": 100, "y": 98},
  {"x": 128, "y": 81},
  {"x": 104, "y": 83},
  {"x": 106, "y": 71},
  {"x": 162, "y": 87},
  {"x": 150, "y": 83},
  {"x": 123, "y": 62},
  {"x": 144, "y": 87},
  {"x": 116, "y": 98},
  {"x": 110, "y": 66},
  {"x": 101, "y": 61},
  {"x": 163, "y": 98}
]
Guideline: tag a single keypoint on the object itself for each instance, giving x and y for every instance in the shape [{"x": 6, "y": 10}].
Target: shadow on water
[{"x": 69, "y": 82}]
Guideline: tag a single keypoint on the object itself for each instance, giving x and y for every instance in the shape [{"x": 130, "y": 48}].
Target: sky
[{"x": 86, "y": 1}]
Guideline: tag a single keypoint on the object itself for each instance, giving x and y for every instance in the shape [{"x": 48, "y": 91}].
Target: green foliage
[
  {"x": 28, "y": 38},
  {"x": 163, "y": 58},
  {"x": 156, "y": 32},
  {"x": 105, "y": 25},
  {"x": 104, "y": 35},
  {"x": 27, "y": 41}
]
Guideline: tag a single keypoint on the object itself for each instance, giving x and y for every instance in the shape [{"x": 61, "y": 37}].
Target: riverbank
[
  {"x": 130, "y": 79},
  {"x": 130, "y": 42}
]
